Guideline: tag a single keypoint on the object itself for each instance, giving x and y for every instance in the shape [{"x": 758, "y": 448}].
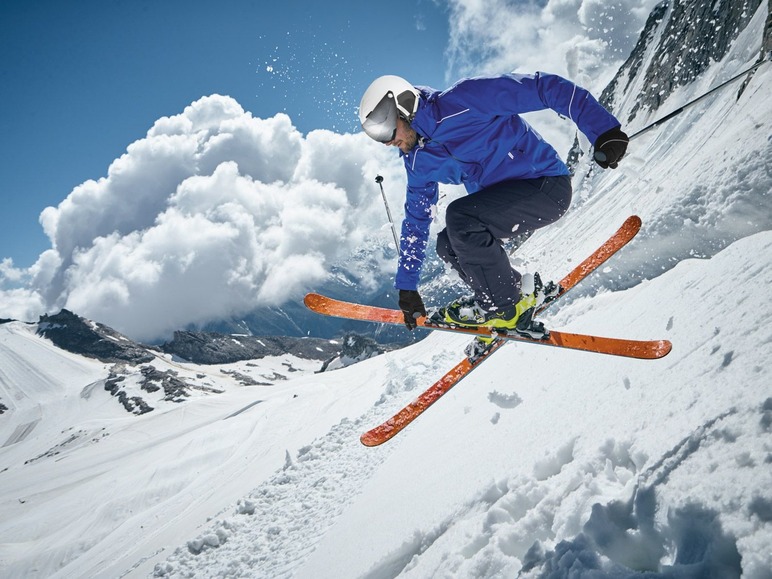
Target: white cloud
[
  {"x": 212, "y": 214},
  {"x": 21, "y": 304},
  {"x": 583, "y": 40},
  {"x": 9, "y": 272}
]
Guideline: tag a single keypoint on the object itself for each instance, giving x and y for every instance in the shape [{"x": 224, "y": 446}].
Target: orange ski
[
  {"x": 401, "y": 419},
  {"x": 643, "y": 349},
  {"x": 624, "y": 234},
  {"x": 651, "y": 349}
]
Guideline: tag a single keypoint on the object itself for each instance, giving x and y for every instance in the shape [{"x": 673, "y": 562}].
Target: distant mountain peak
[{"x": 78, "y": 335}]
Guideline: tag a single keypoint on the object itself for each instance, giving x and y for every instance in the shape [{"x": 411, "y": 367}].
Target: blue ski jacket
[{"x": 472, "y": 133}]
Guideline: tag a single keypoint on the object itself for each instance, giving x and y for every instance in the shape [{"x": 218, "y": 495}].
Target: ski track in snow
[
  {"x": 532, "y": 521},
  {"x": 261, "y": 533}
]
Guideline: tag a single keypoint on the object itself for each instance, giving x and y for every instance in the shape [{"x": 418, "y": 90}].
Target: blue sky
[{"x": 81, "y": 80}]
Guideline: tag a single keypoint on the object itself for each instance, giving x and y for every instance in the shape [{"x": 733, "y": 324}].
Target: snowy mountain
[
  {"x": 135, "y": 371},
  {"x": 542, "y": 463},
  {"x": 684, "y": 38}
]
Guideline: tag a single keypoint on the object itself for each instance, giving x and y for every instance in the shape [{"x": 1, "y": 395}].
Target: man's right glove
[
  {"x": 412, "y": 307},
  {"x": 610, "y": 147}
]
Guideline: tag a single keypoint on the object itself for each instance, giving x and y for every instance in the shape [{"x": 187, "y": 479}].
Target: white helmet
[{"x": 384, "y": 100}]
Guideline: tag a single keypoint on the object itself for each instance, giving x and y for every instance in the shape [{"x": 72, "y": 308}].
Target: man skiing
[{"x": 472, "y": 133}]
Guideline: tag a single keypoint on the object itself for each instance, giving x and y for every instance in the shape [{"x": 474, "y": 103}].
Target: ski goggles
[{"x": 381, "y": 123}]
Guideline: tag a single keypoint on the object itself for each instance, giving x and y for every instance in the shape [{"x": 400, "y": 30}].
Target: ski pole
[
  {"x": 679, "y": 110},
  {"x": 379, "y": 180},
  {"x": 600, "y": 156}
]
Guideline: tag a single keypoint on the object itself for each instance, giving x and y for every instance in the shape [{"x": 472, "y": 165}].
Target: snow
[
  {"x": 631, "y": 459},
  {"x": 543, "y": 462}
]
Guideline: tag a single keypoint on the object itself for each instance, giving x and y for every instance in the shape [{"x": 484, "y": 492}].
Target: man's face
[{"x": 406, "y": 138}]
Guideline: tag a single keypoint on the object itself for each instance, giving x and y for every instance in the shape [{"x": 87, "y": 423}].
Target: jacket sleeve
[
  {"x": 512, "y": 94},
  {"x": 419, "y": 202}
]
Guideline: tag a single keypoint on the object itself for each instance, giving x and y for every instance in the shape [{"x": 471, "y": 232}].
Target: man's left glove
[
  {"x": 610, "y": 147},
  {"x": 412, "y": 307}
]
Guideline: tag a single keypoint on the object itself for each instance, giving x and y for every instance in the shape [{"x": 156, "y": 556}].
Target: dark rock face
[
  {"x": 93, "y": 340},
  {"x": 690, "y": 35},
  {"x": 152, "y": 380},
  {"x": 631, "y": 67},
  {"x": 355, "y": 348},
  {"x": 214, "y": 348},
  {"x": 767, "y": 45},
  {"x": 133, "y": 404}
]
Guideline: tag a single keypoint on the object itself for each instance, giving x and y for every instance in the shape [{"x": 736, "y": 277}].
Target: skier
[{"x": 472, "y": 133}]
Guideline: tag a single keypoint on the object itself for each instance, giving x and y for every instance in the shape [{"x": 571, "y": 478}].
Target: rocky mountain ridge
[
  {"x": 687, "y": 36},
  {"x": 140, "y": 383},
  {"x": 217, "y": 348},
  {"x": 78, "y": 335},
  {"x": 92, "y": 339}
]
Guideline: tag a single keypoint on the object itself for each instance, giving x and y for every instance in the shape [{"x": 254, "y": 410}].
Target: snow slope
[
  {"x": 84, "y": 482},
  {"x": 543, "y": 462},
  {"x": 635, "y": 460},
  {"x": 631, "y": 459}
]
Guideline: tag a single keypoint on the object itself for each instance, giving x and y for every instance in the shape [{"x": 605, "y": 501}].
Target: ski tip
[
  {"x": 370, "y": 440},
  {"x": 633, "y": 223},
  {"x": 383, "y": 432},
  {"x": 663, "y": 349},
  {"x": 312, "y": 299}
]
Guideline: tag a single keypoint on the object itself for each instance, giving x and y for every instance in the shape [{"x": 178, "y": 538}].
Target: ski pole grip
[{"x": 600, "y": 156}]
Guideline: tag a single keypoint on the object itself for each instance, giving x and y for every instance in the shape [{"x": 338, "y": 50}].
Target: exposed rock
[
  {"x": 153, "y": 379},
  {"x": 767, "y": 43},
  {"x": 148, "y": 379},
  {"x": 355, "y": 348},
  {"x": 80, "y": 336},
  {"x": 245, "y": 380},
  {"x": 215, "y": 348},
  {"x": 634, "y": 62},
  {"x": 695, "y": 35},
  {"x": 133, "y": 404}
]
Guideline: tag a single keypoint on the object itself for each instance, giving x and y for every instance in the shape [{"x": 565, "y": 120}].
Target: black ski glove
[
  {"x": 412, "y": 307},
  {"x": 610, "y": 147}
]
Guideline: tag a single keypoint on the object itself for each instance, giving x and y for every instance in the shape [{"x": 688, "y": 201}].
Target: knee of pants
[
  {"x": 458, "y": 220},
  {"x": 444, "y": 251}
]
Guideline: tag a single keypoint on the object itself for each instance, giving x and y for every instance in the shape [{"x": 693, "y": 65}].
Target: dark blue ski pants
[{"x": 475, "y": 225}]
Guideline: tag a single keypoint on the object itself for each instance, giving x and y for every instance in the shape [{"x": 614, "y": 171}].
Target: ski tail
[
  {"x": 394, "y": 425},
  {"x": 622, "y": 237},
  {"x": 331, "y": 307}
]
